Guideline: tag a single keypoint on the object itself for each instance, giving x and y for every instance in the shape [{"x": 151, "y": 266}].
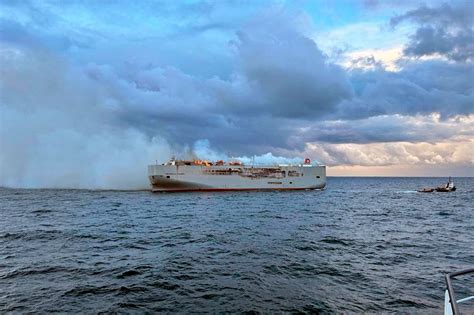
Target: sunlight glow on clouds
[
  {"x": 395, "y": 153},
  {"x": 369, "y": 59}
]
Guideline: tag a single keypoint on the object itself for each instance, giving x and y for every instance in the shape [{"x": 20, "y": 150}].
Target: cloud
[
  {"x": 446, "y": 30},
  {"x": 286, "y": 69},
  {"x": 373, "y": 59},
  {"x": 397, "y": 153},
  {"x": 266, "y": 93},
  {"x": 421, "y": 87},
  {"x": 389, "y": 129}
]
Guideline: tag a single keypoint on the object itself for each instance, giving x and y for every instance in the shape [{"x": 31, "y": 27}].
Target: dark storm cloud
[
  {"x": 287, "y": 71},
  {"x": 455, "y": 13},
  {"x": 429, "y": 40},
  {"x": 184, "y": 109},
  {"x": 446, "y": 30},
  {"x": 160, "y": 100},
  {"x": 281, "y": 77},
  {"x": 421, "y": 87},
  {"x": 383, "y": 129},
  {"x": 267, "y": 134}
]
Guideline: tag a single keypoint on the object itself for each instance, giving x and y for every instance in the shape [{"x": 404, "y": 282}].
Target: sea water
[{"x": 362, "y": 244}]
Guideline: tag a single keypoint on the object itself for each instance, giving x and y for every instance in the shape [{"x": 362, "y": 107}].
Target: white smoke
[
  {"x": 203, "y": 150},
  {"x": 58, "y": 130}
]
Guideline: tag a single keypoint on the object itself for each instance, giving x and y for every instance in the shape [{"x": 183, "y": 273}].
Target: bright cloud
[
  {"x": 395, "y": 153},
  {"x": 370, "y": 59}
]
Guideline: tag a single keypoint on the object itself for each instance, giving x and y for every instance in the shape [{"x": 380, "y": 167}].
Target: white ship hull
[{"x": 169, "y": 178}]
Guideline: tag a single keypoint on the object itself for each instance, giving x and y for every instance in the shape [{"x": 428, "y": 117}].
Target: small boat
[
  {"x": 451, "y": 303},
  {"x": 426, "y": 190},
  {"x": 447, "y": 188}
]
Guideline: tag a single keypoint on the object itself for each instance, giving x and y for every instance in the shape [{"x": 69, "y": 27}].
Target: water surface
[{"x": 363, "y": 244}]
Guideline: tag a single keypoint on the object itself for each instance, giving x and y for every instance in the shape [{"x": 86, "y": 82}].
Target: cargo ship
[{"x": 199, "y": 175}]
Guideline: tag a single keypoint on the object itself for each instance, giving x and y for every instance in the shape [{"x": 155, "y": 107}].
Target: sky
[{"x": 93, "y": 91}]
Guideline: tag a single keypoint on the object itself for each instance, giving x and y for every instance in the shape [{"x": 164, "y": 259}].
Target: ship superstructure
[{"x": 198, "y": 175}]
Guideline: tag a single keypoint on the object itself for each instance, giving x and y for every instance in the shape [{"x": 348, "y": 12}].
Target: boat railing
[{"x": 450, "y": 302}]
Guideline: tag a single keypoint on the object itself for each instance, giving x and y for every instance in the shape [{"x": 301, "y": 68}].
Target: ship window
[
  {"x": 167, "y": 177},
  {"x": 291, "y": 182},
  {"x": 318, "y": 176},
  {"x": 293, "y": 173}
]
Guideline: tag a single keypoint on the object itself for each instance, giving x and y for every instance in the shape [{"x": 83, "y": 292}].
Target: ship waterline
[{"x": 179, "y": 176}]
